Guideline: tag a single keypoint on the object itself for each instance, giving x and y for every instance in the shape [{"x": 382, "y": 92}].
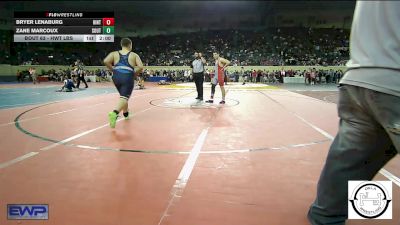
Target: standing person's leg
[
  {"x": 360, "y": 149},
  {"x": 196, "y": 81},
  {"x": 122, "y": 85},
  {"x": 386, "y": 108},
  {"x": 223, "y": 94},
  {"x": 122, "y": 104},
  {"x": 79, "y": 82},
  {"x": 201, "y": 81},
  {"x": 84, "y": 81},
  {"x": 125, "y": 110},
  {"x": 212, "y": 93},
  {"x": 221, "y": 85}
]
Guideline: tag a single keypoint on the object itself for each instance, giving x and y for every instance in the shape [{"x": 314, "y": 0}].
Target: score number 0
[
  {"x": 108, "y": 25},
  {"x": 108, "y": 21}
]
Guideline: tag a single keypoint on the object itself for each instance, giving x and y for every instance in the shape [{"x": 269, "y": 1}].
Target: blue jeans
[{"x": 368, "y": 137}]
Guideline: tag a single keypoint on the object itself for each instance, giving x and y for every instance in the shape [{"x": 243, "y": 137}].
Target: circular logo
[{"x": 370, "y": 200}]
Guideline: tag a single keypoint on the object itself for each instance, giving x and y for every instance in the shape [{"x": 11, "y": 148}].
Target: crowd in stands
[
  {"x": 255, "y": 76},
  {"x": 62, "y": 74},
  {"x": 267, "y": 47},
  {"x": 5, "y": 41},
  {"x": 311, "y": 76},
  {"x": 291, "y": 46}
]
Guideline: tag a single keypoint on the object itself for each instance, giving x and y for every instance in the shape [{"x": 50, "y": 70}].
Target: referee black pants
[
  {"x": 81, "y": 78},
  {"x": 199, "y": 80}
]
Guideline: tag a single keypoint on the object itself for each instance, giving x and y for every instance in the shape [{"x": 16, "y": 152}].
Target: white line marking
[
  {"x": 38, "y": 103},
  {"x": 51, "y": 114},
  {"x": 226, "y": 151},
  {"x": 11, "y": 123},
  {"x": 23, "y": 157},
  {"x": 89, "y": 147},
  {"x": 390, "y": 176},
  {"x": 61, "y": 112},
  {"x": 186, "y": 171},
  {"x": 383, "y": 171},
  {"x": 87, "y": 132},
  {"x": 18, "y": 159},
  {"x": 72, "y": 138},
  {"x": 191, "y": 160},
  {"x": 324, "y": 133},
  {"x": 90, "y": 106},
  {"x": 62, "y": 100}
]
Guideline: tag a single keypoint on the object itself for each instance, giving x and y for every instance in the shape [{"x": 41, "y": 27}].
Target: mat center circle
[{"x": 191, "y": 102}]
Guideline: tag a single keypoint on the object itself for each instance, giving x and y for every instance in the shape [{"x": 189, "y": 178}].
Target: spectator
[{"x": 266, "y": 47}]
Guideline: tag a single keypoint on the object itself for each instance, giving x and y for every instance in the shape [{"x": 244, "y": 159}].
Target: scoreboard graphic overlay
[{"x": 64, "y": 26}]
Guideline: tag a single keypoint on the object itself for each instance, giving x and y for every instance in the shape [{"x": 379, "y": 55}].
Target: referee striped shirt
[{"x": 197, "y": 66}]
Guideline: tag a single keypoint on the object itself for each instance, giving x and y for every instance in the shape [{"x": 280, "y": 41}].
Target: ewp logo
[{"x": 28, "y": 212}]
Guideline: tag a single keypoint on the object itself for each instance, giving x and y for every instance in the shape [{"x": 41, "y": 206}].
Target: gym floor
[{"x": 255, "y": 160}]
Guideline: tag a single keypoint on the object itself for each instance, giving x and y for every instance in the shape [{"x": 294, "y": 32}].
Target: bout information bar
[{"x": 64, "y": 26}]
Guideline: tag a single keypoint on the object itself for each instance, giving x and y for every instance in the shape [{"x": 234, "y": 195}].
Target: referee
[
  {"x": 80, "y": 72},
  {"x": 198, "y": 74}
]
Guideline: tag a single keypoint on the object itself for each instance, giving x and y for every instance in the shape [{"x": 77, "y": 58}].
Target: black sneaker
[
  {"x": 210, "y": 101},
  {"x": 197, "y": 98},
  {"x": 126, "y": 115},
  {"x": 222, "y": 102}
]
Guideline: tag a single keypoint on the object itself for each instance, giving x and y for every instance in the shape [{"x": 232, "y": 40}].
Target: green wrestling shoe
[{"x": 112, "y": 118}]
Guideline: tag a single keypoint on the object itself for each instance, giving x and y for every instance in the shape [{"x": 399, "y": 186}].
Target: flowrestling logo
[{"x": 370, "y": 200}]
